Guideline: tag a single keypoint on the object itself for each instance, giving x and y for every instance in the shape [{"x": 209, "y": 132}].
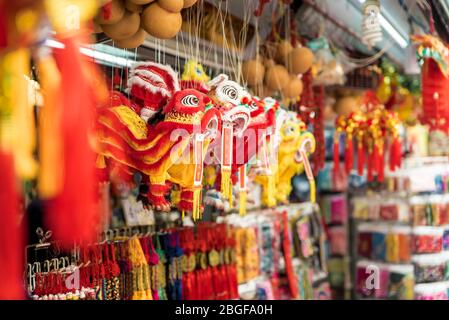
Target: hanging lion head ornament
[
  {"x": 232, "y": 100},
  {"x": 292, "y": 147},
  {"x": 169, "y": 152}
]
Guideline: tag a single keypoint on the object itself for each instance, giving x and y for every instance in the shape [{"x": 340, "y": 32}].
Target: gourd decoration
[
  {"x": 128, "y": 21},
  {"x": 277, "y": 77},
  {"x": 293, "y": 90},
  {"x": 300, "y": 60},
  {"x": 160, "y": 22},
  {"x": 283, "y": 50},
  {"x": 253, "y": 72}
]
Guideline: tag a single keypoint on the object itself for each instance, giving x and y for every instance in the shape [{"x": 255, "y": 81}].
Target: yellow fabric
[
  {"x": 136, "y": 146},
  {"x": 194, "y": 71},
  {"x": 50, "y": 180},
  {"x": 135, "y": 124},
  {"x": 242, "y": 203},
  {"x": 183, "y": 170},
  {"x": 278, "y": 187},
  {"x": 17, "y": 125}
]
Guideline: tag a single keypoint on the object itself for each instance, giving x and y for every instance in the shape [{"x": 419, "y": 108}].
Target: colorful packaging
[{"x": 427, "y": 239}]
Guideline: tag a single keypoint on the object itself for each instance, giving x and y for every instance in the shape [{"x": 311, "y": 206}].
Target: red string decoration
[{"x": 11, "y": 241}]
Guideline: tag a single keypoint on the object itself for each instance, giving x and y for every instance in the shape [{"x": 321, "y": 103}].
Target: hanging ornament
[
  {"x": 372, "y": 128},
  {"x": 434, "y": 55},
  {"x": 371, "y": 28},
  {"x": 161, "y": 23},
  {"x": 171, "y": 151},
  {"x": 253, "y": 71},
  {"x": 300, "y": 60}
]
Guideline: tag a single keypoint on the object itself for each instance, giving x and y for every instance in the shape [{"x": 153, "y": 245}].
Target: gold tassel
[
  {"x": 226, "y": 184},
  {"x": 242, "y": 203},
  {"x": 196, "y": 204},
  {"x": 312, "y": 191},
  {"x": 101, "y": 162},
  {"x": 231, "y": 199},
  {"x": 271, "y": 186}
]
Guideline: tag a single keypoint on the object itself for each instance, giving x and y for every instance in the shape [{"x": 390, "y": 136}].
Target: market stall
[{"x": 272, "y": 150}]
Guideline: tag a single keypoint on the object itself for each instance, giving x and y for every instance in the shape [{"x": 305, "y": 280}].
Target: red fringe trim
[
  {"x": 155, "y": 199},
  {"x": 375, "y": 158},
  {"x": 186, "y": 206},
  {"x": 349, "y": 155},
  {"x": 370, "y": 166},
  {"x": 381, "y": 172},
  {"x": 360, "y": 159},
  {"x": 159, "y": 189}
]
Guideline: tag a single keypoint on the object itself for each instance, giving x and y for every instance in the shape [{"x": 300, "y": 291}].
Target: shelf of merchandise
[{"x": 425, "y": 169}]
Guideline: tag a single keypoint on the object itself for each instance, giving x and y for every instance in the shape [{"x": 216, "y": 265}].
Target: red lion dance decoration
[{"x": 171, "y": 151}]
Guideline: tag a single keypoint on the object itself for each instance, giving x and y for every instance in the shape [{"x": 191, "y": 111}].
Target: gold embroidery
[
  {"x": 184, "y": 118},
  {"x": 128, "y": 117}
]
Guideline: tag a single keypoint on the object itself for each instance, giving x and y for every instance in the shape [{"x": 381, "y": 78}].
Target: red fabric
[
  {"x": 435, "y": 95},
  {"x": 381, "y": 169},
  {"x": 3, "y": 26},
  {"x": 11, "y": 233},
  {"x": 393, "y": 153},
  {"x": 73, "y": 215},
  {"x": 398, "y": 153},
  {"x": 375, "y": 158}
]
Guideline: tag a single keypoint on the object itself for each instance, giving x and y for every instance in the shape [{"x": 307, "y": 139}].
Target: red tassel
[
  {"x": 349, "y": 155},
  {"x": 11, "y": 240},
  {"x": 360, "y": 159},
  {"x": 231, "y": 272},
  {"x": 73, "y": 215},
  {"x": 393, "y": 153},
  {"x": 375, "y": 158},
  {"x": 381, "y": 169},
  {"x": 224, "y": 284},
  {"x": 398, "y": 156},
  {"x": 370, "y": 166}
]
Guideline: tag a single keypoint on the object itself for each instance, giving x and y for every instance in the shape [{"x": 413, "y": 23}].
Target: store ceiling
[{"x": 404, "y": 16}]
